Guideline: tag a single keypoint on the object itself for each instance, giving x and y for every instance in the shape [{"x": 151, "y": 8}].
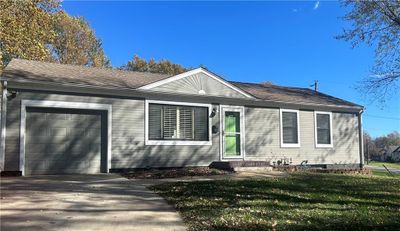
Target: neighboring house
[
  {"x": 390, "y": 153},
  {"x": 395, "y": 155},
  {"x": 75, "y": 119}
]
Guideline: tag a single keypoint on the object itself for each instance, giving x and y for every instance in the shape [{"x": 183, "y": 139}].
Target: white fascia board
[{"x": 190, "y": 73}]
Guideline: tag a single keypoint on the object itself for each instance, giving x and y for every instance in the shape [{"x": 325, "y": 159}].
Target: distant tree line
[
  {"x": 375, "y": 147},
  {"x": 163, "y": 66},
  {"x": 41, "y": 30}
]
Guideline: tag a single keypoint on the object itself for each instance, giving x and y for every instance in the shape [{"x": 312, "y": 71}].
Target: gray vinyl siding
[
  {"x": 193, "y": 84},
  {"x": 128, "y": 141},
  {"x": 263, "y": 138}
]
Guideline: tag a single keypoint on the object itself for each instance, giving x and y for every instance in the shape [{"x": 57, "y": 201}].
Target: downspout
[
  {"x": 361, "y": 137},
  {"x": 3, "y": 124}
]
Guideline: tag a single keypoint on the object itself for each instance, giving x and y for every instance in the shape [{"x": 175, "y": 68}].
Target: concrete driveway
[{"x": 83, "y": 202}]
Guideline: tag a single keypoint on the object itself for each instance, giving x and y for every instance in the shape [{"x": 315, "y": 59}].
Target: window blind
[
  {"x": 155, "y": 122},
  {"x": 174, "y": 122},
  {"x": 186, "y": 119},
  {"x": 170, "y": 130}
]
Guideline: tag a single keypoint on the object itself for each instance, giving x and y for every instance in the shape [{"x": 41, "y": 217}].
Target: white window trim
[
  {"x": 176, "y": 142},
  {"x": 283, "y": 145},
  {"x": 67, "y": 105},
  {"x": 240, "y": 109},
  {"x": 316, "y": 130}
]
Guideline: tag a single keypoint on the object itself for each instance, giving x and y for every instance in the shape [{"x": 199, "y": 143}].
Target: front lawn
[
  {"x": 302, "y": 201},
  {"x": 173, "y": 173},
  {"x": 387, "y": 164}
]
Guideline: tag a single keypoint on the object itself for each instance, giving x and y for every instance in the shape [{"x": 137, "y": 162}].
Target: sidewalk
[{"x": 392, "y": 170}]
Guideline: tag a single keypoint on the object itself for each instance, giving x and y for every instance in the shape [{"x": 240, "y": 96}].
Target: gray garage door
[{"x": 62, "y": 141}]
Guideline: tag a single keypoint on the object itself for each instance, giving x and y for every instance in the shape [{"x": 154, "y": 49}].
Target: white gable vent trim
[{"x": 193, "y": 72}]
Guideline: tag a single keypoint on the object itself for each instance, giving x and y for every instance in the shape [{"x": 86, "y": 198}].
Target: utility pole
[{"x": 315, "y": 85}]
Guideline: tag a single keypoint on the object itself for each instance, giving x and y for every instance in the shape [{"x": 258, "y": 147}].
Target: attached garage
[{"x": 64, "y": 138}]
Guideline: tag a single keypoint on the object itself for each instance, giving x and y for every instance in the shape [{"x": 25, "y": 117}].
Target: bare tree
[{"x": 376, "y": 23}]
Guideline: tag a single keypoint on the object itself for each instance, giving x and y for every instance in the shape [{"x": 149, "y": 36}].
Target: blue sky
[{"x": 288, "y": 43}]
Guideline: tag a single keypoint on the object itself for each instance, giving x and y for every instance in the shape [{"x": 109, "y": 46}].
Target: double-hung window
[
  {"x": 290, "y": 131},
  {"x": 177, "y": 124},
  {"x": 323, "y": 129}
]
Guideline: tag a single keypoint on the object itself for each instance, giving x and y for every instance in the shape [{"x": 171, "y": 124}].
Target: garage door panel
[
  {"x": 64, "y": 141},
  {"x": 59, "y": 167},
  {"x": 56, "y": 116},
  {"x": 91, "y": 132},
  {"x": 73, "y": 132},
  {"x": 63, "y": 157}
]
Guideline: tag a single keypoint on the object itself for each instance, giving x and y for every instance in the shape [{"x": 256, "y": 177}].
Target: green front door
[{"x": 232, "y": 135}]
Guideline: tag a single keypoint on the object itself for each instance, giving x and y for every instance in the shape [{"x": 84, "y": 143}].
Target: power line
[{"x": 383, "y": 117}]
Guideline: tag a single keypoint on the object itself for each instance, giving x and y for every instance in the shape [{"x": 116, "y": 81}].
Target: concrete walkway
[{"x": 83, "y": 202}]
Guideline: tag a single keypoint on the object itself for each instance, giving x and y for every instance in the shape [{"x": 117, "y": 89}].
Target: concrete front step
[{"x": 253, "y": 169}]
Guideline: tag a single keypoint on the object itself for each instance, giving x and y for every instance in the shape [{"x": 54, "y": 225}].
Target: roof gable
[{"x": 197, "y": 82}]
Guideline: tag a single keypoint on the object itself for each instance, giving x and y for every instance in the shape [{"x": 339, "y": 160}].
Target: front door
[{"x": 232, "y": 133}]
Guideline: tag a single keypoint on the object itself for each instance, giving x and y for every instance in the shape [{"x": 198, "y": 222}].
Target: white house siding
[
  {"x": 263, "y": 138},
  {"x": 128, "y": 147}
]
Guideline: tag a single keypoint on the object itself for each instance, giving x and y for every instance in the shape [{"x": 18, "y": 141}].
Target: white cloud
[
  {"x": 316, "y": 6},
  {"x": 295, "y": 10}
]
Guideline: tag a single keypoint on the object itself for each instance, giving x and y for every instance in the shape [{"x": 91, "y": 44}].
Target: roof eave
[{"x": 112, "y": 91}]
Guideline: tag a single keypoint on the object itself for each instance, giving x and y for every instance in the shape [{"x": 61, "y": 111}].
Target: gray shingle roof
[
  {"x": 19, "y": 69},
  {"x": 291, "y": 94},
  {"x": 61, "y": 73}
]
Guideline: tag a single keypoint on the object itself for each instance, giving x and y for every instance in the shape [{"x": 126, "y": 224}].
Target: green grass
[
  {"x": 388, "y": 165},
  {"x": 302, "y": 201}
]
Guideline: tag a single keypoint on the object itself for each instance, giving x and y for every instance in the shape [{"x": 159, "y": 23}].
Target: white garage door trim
[{"x": 62, "y": 104}]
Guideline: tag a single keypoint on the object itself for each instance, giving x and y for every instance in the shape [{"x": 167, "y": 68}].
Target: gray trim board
[{"x": 67, "y": 105}]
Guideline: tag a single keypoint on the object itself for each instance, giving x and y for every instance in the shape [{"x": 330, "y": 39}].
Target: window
[
  {"x": 171, "y": 124},
  {"x": 290, "y": 128},
  {"x": 323, "y": 129}
]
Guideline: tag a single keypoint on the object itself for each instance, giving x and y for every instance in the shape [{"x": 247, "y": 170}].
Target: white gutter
[{"x": 3, "y": 124}]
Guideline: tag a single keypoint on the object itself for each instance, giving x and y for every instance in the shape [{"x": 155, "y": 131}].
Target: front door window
[{"x": 232, "y": 134}]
